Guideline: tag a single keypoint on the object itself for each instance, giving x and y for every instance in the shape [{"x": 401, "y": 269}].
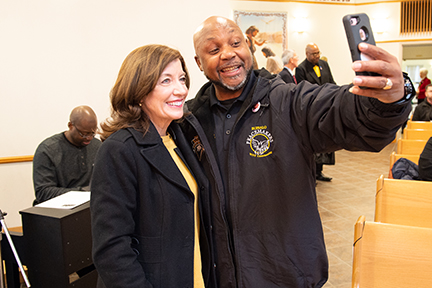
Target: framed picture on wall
[{"x": 272, "y": 31}]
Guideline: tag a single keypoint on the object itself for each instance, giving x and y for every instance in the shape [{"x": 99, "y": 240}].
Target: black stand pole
[
  {"x": 6, "y": 231},
  {"x": 1, "y": 267}
]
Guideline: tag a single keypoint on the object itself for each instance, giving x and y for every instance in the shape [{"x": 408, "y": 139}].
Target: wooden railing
[{"x": 16, "y": 159}]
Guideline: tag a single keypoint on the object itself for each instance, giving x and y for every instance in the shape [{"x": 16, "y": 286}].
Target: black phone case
[{"x": 353, "y": 36}]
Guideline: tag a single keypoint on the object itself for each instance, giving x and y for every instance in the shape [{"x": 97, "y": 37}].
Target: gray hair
[
  {"x": 287, "y": 55},
  {"x": 423, "y": 70}
]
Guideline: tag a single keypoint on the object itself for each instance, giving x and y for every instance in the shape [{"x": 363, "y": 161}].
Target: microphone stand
[{"x": 6, "y": 231}]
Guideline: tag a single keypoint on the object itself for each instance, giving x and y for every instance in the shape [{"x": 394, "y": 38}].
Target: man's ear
[
  {"x": 198, "y": 63},
  {"x": 70, "y": 125}
]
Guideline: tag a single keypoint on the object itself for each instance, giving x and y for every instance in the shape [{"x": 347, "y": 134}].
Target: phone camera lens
[
  {"x": 354, "y": 21},
  {"x": 363, "y": 33}
]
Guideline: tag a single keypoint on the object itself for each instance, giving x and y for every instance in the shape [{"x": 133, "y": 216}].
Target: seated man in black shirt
[
  {"x": 423, "y": 111},
  {"x": 64, "y": 161}
]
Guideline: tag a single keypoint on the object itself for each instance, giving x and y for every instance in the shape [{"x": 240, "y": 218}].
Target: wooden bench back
[
  {"x": 388, "y": 255},
  {"x": 419, "y": 125},
  {"x": 409, "y": 146},
  {"x": 404, "y": 202},
  {"x": 417, "y": 134}
]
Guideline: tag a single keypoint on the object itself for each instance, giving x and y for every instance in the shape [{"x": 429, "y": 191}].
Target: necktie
[
  {"x": 295, "y": 80},
  {"x": 317, "y": 70}
]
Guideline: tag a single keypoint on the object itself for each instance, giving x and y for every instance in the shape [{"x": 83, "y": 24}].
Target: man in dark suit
[
  {"x": 313, "y": 69},
  {"x": 290, "y": 61},
  {"x": 317, "y": 71}
]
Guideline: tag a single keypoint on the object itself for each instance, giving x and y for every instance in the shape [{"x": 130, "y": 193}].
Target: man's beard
[{"x": 232, "y": 88}]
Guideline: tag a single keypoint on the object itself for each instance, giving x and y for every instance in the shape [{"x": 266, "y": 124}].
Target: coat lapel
[
  {"x": 287, "y": 76},
  {"x": 155, "y": 153}
]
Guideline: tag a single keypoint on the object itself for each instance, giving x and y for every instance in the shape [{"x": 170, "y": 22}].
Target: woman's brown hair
[{"x": 137, "y": 77}]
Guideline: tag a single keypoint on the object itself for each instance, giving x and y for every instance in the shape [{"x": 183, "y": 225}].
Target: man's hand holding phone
[
  {"x": 378, "y": 73},
  {"x": 389, "y": 87}
]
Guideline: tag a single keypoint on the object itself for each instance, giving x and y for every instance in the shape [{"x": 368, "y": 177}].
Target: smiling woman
[
  {"x": 165, "y": 102},
  {"x": 146, "y": 73},
  {"x": 144, "y": 201}
]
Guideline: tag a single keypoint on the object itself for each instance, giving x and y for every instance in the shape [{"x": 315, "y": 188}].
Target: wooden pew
[
  {"x": 404, "y": 202},
  {"x": 419, "y": 125},
  {"x": 417, "y": 134},
  {"x": 394, "y": 157},
  {"x": 409, "y": 146},
  {"x": 389, "y": 255}
]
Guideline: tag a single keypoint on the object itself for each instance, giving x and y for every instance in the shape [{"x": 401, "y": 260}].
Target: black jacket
[
  {"x": 286, "y": 76},
  {"x": 423, "y": 112},
  {"x": 425, "y": 162},
  {"x": 266, "y": 227},
  {"x": 305, "y": 71},
  {"x": 142, "y": 212}
]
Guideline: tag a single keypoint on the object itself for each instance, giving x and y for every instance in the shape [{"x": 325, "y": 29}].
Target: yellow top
[
  {"x": 317, "y": 70},
  {"x": 170, "y": 145}
]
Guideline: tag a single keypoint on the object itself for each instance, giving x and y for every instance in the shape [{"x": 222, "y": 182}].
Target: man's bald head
[
  {"x": 82, "y": 126},
  {"x": 311, "y": 46},
  {"x": 82, "y": 113},
  {"x": 312, "y": 53},
  {"x": 212, "y": 23}
]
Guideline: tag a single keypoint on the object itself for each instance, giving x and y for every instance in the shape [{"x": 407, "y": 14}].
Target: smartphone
[{"x": 358, "y": 29}]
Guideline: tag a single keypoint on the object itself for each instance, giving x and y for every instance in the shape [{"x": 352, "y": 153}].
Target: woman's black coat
[{"x": 143, "y": 212}]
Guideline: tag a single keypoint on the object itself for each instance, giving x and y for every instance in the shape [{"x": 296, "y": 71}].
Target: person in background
[
  {"x": 316, "y": 71},
  {"x": 149, "y": 195},
  {"x": 64, "y": 161},
  {"x": 251, "y": 33},
  {"x": 273, "y": 65},
  {"x": 290, "y": 62},
  {"x": 423, "y": 111},
  {"x": 256, "y": 137},
  {"x": 313, "y": 69},
  {"x": 421, "y": 96},
  {"x": 425, "y": 162}
]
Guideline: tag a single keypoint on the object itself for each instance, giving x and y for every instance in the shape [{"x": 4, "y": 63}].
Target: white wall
[{"x": 56, "y": 55}]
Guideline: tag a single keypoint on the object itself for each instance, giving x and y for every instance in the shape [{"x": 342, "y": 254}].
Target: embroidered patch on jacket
[
  {"x": 197, "y": 147},
  {"x": 259, "y": 141}
]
